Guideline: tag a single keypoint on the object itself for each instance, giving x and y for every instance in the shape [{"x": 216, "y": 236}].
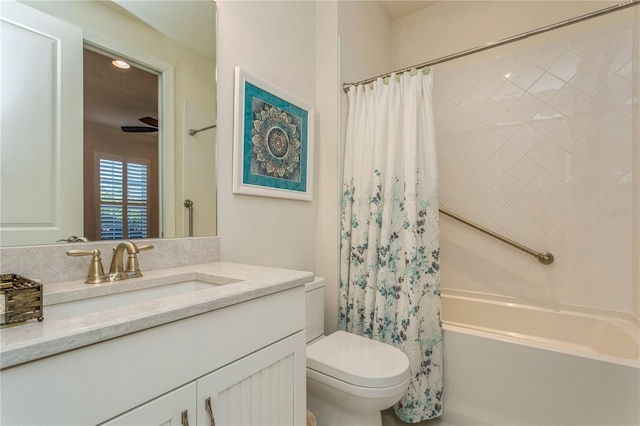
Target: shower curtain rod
[{"x": 502, "y": 42}]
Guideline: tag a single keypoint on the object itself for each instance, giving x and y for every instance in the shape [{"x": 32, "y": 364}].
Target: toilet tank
[{"x": 315, "y": 308}]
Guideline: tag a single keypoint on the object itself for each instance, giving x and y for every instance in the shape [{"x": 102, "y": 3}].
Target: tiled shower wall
[{"x": 536, "y": 143}]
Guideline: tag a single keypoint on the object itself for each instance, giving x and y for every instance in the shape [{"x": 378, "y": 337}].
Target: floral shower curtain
[{"x": 389, "y": 276}]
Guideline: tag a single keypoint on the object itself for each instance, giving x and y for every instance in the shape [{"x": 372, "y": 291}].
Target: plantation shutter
[{"x": 124, "y": 200}]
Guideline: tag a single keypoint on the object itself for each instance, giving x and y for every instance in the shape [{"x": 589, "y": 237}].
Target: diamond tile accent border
[{"x": 539, "y": 149}]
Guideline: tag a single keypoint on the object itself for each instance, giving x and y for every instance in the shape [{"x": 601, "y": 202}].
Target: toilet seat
[
  {"x": 358, "y": 361},
  {"x": 357, "y": 391}
]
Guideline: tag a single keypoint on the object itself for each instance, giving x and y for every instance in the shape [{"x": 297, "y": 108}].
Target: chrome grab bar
[
  {"x": 193, "y": 132},
  {"x": 545, "y": 258}
]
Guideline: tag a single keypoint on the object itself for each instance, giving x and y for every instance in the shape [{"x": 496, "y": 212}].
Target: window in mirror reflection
[{"x": 124, "y": 200}]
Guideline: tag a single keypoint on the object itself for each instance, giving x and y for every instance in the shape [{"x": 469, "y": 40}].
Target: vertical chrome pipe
[{"x": 189, "y": 204}]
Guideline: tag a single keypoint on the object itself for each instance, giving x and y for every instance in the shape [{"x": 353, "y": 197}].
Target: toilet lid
[{"x": 358, "y": 360}]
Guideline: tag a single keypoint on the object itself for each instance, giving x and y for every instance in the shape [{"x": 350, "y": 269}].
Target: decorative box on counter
[{"x": 20, "y": 299}]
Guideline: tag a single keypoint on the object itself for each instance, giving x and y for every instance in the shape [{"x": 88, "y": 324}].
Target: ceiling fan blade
[
  {"x": 150, "y": 121},
  {"x": 138, "y": 129}
]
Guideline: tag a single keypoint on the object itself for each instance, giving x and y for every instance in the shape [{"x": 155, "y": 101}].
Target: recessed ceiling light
[{"x": 121, "y": 64}]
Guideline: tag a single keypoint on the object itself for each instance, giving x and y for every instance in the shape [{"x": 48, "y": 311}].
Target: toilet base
[
  {"x": 328, "y": 413},
  {"x": 333, "y": 407}
]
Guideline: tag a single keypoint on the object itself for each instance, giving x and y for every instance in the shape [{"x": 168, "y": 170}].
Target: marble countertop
[{"x": 235, "y": 283}]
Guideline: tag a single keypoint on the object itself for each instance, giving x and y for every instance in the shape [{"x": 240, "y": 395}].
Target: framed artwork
[{"x": 273, "y": 140}]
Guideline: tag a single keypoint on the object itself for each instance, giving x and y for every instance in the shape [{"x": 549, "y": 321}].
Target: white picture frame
[{"x": 273, "y": 140}]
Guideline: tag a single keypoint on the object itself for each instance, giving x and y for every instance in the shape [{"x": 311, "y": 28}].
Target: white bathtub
[{"x": 511, "y": 364}]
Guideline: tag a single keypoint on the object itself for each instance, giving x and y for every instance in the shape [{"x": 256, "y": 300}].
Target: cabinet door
[
  {"x": 178, "y": 407},
  {"x": 264, "y": 388}
]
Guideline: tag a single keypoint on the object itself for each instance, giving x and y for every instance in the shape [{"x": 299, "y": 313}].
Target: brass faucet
[
  {"x": 116, "y": 271},
  {"x": 96, "y": 274}
]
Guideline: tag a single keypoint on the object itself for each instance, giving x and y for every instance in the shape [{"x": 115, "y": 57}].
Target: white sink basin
[{"x": 95, "y": 304}]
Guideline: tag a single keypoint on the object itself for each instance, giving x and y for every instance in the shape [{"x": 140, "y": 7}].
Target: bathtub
[{"x": 507, "y": 363}]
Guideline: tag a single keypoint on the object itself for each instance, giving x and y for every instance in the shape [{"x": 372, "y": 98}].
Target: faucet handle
[
  {"x": 133, "y": 267},
  {"x": 96, "y": 273}
]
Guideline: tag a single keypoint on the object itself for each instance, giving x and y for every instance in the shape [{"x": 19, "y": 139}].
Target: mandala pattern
[{"x": 276, "y": 142}]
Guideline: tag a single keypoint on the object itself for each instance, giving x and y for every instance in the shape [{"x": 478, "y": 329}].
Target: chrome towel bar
[{"x": 545, "y": 258}]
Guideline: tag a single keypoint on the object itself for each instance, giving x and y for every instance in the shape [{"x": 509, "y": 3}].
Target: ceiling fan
[{"x": 152, "y": 126}]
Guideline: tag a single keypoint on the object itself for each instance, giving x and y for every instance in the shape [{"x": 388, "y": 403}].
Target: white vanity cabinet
[
  {"x": 248, "y": 358},
  {"x": 255, "y": 390}
]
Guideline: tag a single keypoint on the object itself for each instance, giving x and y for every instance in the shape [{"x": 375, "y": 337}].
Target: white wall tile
[
  {"x": 546, "y": 186},
  {"x": 507, "y": 187},
  {"x": 566, "y": 99},
  {"x": 546, "y": 219},
  {"x": 507, "y": 156},
  {"x": 536, "y": 144},
  {"x": 567, "y": 133},
  {"x": 545, "y": 152},
  {"x": 613, "y": 92},
  {"x": 546, "y": 120},
  {"x": 589, "y": 78},
  {"x": 526, "y": 138},
  {"x": 526, "y": 74},
  {"x": 567, "y": 66},
  {"x": 507, "y": 94},
  {"x": 546, "y": 86},
  {"x": 507, "y": 125},
  {"x": 526, "y": 170},
  {"x": 488, "y": 82},
  {"x": 526, "y": 202}
]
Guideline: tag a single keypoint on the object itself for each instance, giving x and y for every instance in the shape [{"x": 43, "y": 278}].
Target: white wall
[
  {"x": 275, "y": 40},
  {"x": 535, "y": 141},
  {"x": 366, "y": 29},
  {"x": 328, "y": 95},
  {"x": 295, "y": 45},
  {"x": 453, "y": 26}
]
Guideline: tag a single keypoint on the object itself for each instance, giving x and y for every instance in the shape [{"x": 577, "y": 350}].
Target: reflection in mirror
[
  {"x": 64, "y": 172},
  {"x": 120, "y": 160}
]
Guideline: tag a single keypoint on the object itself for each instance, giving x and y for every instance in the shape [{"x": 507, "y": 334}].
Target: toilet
[{"x": 350, "y": 379}]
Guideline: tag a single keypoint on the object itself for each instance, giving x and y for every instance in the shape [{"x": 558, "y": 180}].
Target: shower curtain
[{"x": 389, "y": 272}]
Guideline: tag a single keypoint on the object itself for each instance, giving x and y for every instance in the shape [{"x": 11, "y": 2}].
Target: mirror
[{"x": 175, "y": 40}]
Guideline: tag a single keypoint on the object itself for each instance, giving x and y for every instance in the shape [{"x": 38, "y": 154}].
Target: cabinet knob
[{"x": 184, "y": 418}]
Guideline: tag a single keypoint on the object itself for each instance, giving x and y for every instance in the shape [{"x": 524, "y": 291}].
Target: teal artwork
[{"x": 275, "y": 141}]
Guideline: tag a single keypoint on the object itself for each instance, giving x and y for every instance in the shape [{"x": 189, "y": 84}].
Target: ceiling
[
  {"x": 190, "y": 26},
  {"x": 400, "y": 8},
  {"x": 114, "y": 97},
  {"x": 117, "y": 98}
]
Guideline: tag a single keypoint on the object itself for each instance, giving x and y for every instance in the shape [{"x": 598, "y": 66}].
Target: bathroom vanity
[{"x": 187, "y": 345}]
